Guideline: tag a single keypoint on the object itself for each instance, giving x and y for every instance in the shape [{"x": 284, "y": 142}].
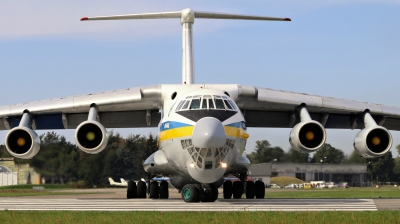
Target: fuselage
[{"x": 202, "y": 134}]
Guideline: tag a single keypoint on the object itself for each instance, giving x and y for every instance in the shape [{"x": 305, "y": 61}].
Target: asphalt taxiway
[{"x": 113, "y": 199}]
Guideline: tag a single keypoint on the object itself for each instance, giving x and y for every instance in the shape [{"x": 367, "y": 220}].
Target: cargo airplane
[{"x": 202, "y": 127}]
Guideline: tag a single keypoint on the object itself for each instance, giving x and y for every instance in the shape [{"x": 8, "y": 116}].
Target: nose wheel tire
[
  {"x": 131, "y": 191},
  {"x": 259, "y": 189},
  {"x": 227, "y": 189},
  {"x": 189, "y": 193}
]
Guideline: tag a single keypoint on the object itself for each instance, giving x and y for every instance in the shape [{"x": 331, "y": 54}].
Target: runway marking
[{"x": 178, "y": 205}]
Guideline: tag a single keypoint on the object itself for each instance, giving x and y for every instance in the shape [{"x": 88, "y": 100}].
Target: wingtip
[
  {"x": 84, "y": 18},
  {"x": 287, "y": 19}
]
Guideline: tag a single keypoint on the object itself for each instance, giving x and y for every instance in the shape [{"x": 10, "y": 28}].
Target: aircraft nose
[{"x": 209, "y": 133}]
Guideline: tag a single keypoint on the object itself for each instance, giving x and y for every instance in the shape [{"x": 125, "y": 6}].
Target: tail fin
[
  {"x": 122, "y": 180},
  {"x": 111, "y": 181},
  {"x": 187, "y": 17}
]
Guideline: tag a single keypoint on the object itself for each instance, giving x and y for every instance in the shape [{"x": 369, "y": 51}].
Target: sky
[{"x": 346, "y": 49}]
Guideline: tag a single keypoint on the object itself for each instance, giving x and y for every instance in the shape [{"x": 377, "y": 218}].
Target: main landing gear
[
  {"x": 155, "y": 189},
  {"x": 199, "y": 192},
  {"x": 250, "y": 188}
]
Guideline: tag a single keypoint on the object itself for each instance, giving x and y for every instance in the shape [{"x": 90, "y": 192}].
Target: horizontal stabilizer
[{"x": 185, "y": 14}]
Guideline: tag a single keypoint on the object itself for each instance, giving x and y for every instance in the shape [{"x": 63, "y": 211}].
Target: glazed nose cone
[{"x": 208, "y": 133}]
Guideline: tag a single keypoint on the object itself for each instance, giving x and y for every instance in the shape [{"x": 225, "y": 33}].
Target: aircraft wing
[
  {"x": 132, "y": 107},
  {"x": 263, "y": 107}
]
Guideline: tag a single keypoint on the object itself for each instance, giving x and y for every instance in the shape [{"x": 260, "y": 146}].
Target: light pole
[{"x": 322, "y": 162}]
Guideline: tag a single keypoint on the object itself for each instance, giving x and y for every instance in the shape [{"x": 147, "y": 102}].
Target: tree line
[
  {"x": 380, "y": 169},
  {"x": 61, "y": 161}
]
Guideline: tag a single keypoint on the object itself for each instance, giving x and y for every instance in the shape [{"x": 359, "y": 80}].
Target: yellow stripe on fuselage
[
  {"x": 188, "y": 130},
  {"x": 176, "y": 133},
  {"x": 234, "y": 132}
]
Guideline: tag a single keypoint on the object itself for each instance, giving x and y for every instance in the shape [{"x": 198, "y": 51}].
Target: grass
[
  {"x": 44, "y": 217},
  {"x": 27, "y": 190},
  {"x": 30, "y": 186},
  {"x": 353, "y": 192}
]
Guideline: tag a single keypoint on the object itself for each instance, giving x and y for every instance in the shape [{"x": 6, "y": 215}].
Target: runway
[{"x": 106, "y": 204}]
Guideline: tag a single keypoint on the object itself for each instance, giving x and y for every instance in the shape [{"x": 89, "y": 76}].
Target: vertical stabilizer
[{"x": 187, "y": 17}]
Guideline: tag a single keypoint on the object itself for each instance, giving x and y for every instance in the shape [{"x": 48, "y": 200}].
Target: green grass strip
[
  {"x": 336, "y": 193},
  {"x": 44, "y": 217}
]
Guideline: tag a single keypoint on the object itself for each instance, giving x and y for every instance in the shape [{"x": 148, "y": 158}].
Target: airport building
[
  {"x": 12, "y": 173},
  {"x": 354, "y": 174}
]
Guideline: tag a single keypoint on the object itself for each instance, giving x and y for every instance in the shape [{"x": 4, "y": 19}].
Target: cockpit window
[
  {"x": 206, "y": 102},
  {"x": 186, "y": 105},
  {"x": 228, "y": 105},
  {"x": 195, "y": 104},
  {"x": 219, "y": 104}
]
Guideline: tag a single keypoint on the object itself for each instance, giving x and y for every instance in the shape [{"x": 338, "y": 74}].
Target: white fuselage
[{"x": 202, "y": 134}]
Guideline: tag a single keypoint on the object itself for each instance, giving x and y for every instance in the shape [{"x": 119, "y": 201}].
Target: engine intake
[
  {"x": 373, "y": 142},
  {"x": 22, "y": 142},
  {"x": 91, "y": 136},
  {"x": 307, "y": 136}
]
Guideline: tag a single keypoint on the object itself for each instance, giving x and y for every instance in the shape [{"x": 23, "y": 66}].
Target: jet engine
[
  {"x": 91, "y": 136},
  {"x": 22, "y": 142},
  {"x": 373, "y": 140},
  {"x": 308, "y": 135}
]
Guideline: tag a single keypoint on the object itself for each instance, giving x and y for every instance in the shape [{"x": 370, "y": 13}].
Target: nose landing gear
[{"x": 199, "y": 192}]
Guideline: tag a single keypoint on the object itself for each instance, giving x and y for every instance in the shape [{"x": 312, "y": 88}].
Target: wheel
[
  {"x": 207, "y": 197},
  {"x": 237, "y": 189},
  {"x": 259, "y": 189},
  {"x": 250, "y": 191},
  {"x": 200, "y": 192},
  {"x": 189, "y": 193},
  {"x": 154, "y": 190},
  {"x": 164, "y": 193},
  {"x": 141, "y": 189},
  {"x": 131, "y": 191},
  {"x": 214, "y": 191},
  {"x": 227, "y": 188}
]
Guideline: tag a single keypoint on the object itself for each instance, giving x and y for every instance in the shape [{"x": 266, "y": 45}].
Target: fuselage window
[
  {"x": 228, "y": 105},
  {"x": 188, "y": 97},
  {"x": 195, "y": 104},
  {"x": 219, "y": 104},
  {"x": 186, "y": 105}
]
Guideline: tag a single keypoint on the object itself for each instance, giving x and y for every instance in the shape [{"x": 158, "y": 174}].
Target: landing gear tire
[
  {"x": 259, "y": 189},
  {"x": 214, "y": 191},
  {"x": 227, "y": 189},
  {"x": 154, "y": 190},
  {"x": 200, "y": 193},
  {"x": 250, "y": 190},
  {"x": 141, "y": 189},
  {"x": 131, "y": 191},
  {"x": 164, "y": 193},
  {"x": 189, "y": 193},
  {"x": 237, "y": 189}
]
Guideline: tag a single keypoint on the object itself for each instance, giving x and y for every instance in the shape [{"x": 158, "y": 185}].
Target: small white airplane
[
  {"x": 123, "y": 183},
  {"x": 202, "y": 126}
]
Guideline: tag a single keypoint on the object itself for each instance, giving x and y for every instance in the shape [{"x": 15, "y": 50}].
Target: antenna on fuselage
[{"x": 187, "y": 19}]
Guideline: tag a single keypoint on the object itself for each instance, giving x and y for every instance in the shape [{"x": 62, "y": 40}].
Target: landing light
[
  {"x": 224, "y": 165},
  {"x": 191, "y": 165}
]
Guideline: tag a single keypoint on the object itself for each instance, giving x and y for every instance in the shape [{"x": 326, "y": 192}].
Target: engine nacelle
[
  {"x": 91, "y": 137},
  {"x": 307, "y": 136},
  {"x": 22, "y": 142},
  {"x": 373, "y": 142}
]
